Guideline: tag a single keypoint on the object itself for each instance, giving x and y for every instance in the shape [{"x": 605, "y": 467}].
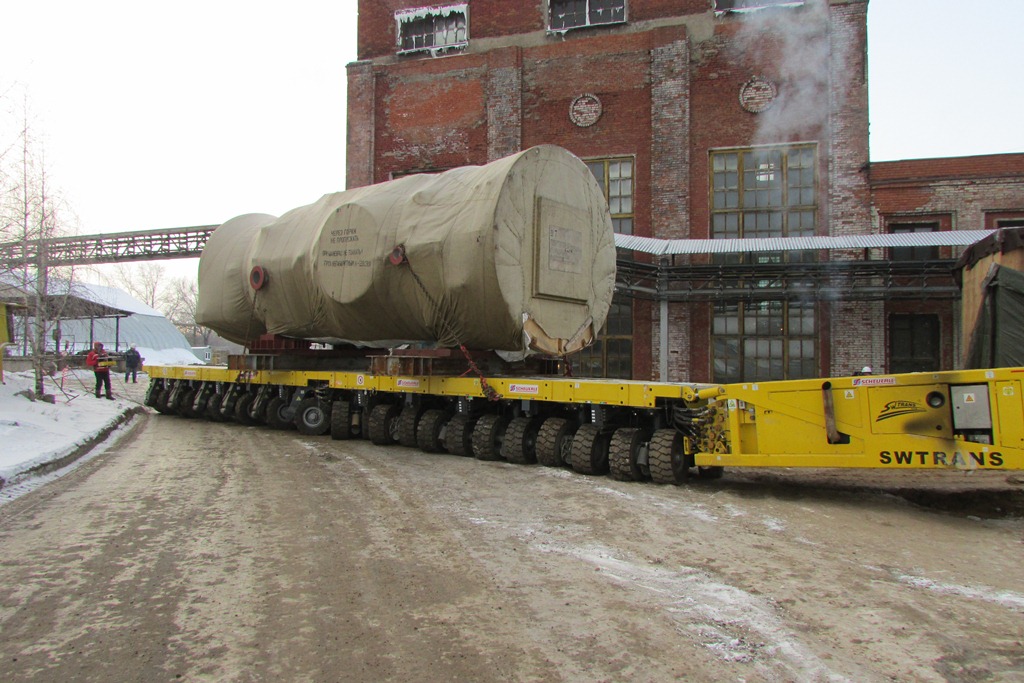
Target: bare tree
[
  {"x": 31, "y": 212},
  {"x": 181, "y": 307},
  {"x": 144, "y": 281}
]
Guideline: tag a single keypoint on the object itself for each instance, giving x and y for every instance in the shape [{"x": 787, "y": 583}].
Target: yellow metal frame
[
  {"x": 888, "y": 421},
  {"x": 881, "y": 421}
]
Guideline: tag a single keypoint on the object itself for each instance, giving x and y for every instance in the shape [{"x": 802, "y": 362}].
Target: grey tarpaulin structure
[
  {"x": 517, "y": 255},
  {"x": 997, "y": 340}
]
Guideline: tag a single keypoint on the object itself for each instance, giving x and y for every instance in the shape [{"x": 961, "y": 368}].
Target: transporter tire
[
  {"x": 589, "y": 453},
  {"x": 313, "y": 417},
  {"x": 669, "y": 465},
  {"x": 341, "y": 421},
  {"x": 152, "y": 391},
  {"x": 201, "y": 401},
  {"x": 623, "y": 451},
  {"x": 554, "y": 441},
  {"x": 428, "y": 432},
  {"x": 185, "y": 400},
  {"x": 520, "y": 443},
  {"x": 488, "y": 435},
  {"x": 384, "y": 423},
  {"x": 280, "y": 414},
  {"x": 458, "y": 438},
  {"x": 213, "y": 407},
  {"x": 243, "y": 409},
  {"x": 407, "y": 423},
  {"x": 160, "y": 401}
]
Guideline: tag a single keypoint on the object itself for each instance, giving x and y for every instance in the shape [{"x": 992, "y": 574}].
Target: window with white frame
[
  {"x": 431, "y": 29},
  {"x": 567, "y": 14}
]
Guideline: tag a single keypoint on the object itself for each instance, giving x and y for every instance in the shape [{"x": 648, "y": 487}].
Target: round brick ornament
[
  {"x": 758, "y": 94},
  {"x": 585, "y": 110}
]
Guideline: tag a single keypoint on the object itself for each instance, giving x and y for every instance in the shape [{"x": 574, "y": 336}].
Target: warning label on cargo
[
  {"x": 340, "y": 249},
  {"x": 565, "y": 249}
]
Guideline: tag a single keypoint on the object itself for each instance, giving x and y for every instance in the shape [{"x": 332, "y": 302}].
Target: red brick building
[{"x": 721, "y": 119}]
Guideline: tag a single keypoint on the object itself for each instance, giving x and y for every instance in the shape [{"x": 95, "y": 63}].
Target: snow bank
[
  {"x": 176, "y": 356},
  {"x": 35, "y": 433}
]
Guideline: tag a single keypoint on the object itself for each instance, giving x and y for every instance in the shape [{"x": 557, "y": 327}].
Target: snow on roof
[{"x": 110, "y": 296}]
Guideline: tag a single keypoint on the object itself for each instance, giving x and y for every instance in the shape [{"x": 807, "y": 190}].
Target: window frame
[
  {"x": 793, "y": 215},
  {"x": 791, "y": 353},
  {"x": 620, "y": 316},
  {"x": 409, "y": 17},
  {"x": 914, "y": 253},
  {"x": 588, "y": 12},
  {"x": 615, "y": 203},
  {"x": 913, "y": 323}
]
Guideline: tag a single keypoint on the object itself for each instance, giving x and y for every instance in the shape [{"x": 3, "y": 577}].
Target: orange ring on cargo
[{"x": 258, "y": 277}]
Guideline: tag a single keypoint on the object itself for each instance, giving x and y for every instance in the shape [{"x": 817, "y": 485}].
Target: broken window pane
[
  {"x": 432, "y": 28},
  {"x": 566, "y": 14}
]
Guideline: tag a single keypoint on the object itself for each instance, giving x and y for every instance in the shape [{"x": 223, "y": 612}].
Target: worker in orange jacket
[{"x": 100, "y": 364}]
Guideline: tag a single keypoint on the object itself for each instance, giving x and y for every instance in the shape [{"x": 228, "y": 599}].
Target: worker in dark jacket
[
  {"x": 100, "y": 364},
  {"x": 132, "y": 363}
]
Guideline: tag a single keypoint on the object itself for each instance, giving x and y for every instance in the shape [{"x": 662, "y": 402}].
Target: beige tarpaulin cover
[{"x": 515, "y": 255}]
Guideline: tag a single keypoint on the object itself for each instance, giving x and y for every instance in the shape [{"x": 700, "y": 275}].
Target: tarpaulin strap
[{"x": 399, "y": 257}]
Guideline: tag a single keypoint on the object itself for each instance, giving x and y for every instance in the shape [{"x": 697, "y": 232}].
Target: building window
[
  {"x": 728, "y": 5},
  {"x": 767, "y": 340},
  {"x": 432, "y": 28},
  {"x": 1009, "y": 223},
  {"x": 913, "y": 343},
  {"x": 764, "y": 192},
  {"x": 615, "y": 176},
  {"x": 611, "y": 354},
  {"x": 914, "y": 253},
  {"x": 566, "y": 14}
]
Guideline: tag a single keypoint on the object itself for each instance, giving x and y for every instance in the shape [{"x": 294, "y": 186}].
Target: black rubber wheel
[
  {"x": 185, "y": 400},
  {"x": 201, "y": 401},
  {"x": 383, "y": 423},
  {"x": 488, "y": 434},
  {"x": 407, "y": 423},
  {"x": 623, "y": 451},
  {"x": 160, "y": 401},
  {"x": 341, "y": 421},
  {"x": 554, "y": 441},
  {"x": 458, "y": 438},
  {"x": 213, "y": 407},
  {"x": 312, "y": 416},
  {"x": 152, "y": 391},
  {"x": 243, "y": 409},
  {"x": 279, "y": 414},
  {"x": 520, "y": 443},
  {"x": 589, "y": 453},
  {"x": 668, "y": 463},
  {"x": 428, "y": 432}
]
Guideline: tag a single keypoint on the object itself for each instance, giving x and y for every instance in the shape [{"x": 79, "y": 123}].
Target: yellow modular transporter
[{"x": 631, "y": 430}]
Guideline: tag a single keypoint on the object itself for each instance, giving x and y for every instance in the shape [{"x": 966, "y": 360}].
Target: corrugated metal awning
[{"x": 948, "y": 238}]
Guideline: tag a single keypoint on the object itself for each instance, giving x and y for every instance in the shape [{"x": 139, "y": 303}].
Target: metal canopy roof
[{"x": 657, "y": 247}]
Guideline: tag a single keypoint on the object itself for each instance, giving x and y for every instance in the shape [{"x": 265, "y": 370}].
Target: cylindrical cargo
[{"x": 517, "y": 255}]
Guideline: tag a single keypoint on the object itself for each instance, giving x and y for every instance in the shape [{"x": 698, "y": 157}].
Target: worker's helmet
[{"x": 866, "y": 369}]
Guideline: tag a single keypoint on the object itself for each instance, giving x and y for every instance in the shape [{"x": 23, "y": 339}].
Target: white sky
[{"x": 159, "y": 115}]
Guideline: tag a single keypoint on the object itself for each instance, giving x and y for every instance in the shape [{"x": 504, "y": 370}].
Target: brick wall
[{"x": 669, "y": 82}]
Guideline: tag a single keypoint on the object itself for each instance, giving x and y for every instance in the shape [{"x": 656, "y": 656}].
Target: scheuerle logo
[
  {"x": 897, "y": 408},
  {"x": 523, "y": 388}
]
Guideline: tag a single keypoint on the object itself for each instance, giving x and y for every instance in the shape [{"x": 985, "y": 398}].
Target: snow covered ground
[{"x": 34, "y": 434}]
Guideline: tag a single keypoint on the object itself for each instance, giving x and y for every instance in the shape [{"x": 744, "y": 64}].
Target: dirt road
[{"x": 199, "y": 551}]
